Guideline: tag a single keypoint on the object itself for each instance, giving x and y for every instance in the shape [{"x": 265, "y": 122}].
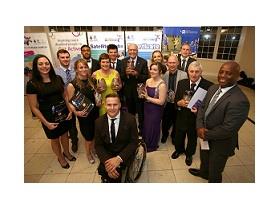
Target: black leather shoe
[
  {"x": 71, "y": 159},
  {"x": 75, "y": 147},
  {"x": 196, "y": 172},
  {"x": 175, "y": 155},
  {"x": 67, "y": 166},
  {"x": 188, "y": 160},
  {"x": 163, "y": 139}
]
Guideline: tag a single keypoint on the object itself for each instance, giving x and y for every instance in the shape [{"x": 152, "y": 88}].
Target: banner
[
  {"x": 35, "y": 43},
  {"x": 98, "y": 42},
  {"x": 147, "y": 41},
  {"x": 174, "y": 37},
  {"x": 70, "y": 41}
]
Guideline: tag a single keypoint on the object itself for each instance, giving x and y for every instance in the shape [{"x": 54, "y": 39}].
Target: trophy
[
  {"x": 98, "y": 99},
  {"x": 187, "y": 95},
  {"x": 115, "y": 84},
  {"x": 129, "y": 66},
  {"x": 170, "y": 96},
  {"x": 141, "y": 89},
  {"x": 101, "y": 85}
]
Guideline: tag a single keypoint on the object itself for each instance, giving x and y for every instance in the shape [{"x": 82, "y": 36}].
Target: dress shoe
[
  {"x": 70, "y": 159},
  {"x": 75, "y": 147},
  {"x": 188, "y": 160},
  {"x": 67, "y": 166},
  {"x": 163, "y": 139},
  {"x": 196, "y": 172},
  {"x": 175, "y": 155}
]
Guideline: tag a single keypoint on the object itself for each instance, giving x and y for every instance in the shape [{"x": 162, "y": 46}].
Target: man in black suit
[
  {"x": 186, "y": 118},
  {"x": 115, "y": 63},
  {"x": 115, "y": 140},
  {"x": 184, "y": 58},
  {"x": 134, "y": 71},
  {"x": 93, "y": 64},
  {"x": 223, "y": 112}
]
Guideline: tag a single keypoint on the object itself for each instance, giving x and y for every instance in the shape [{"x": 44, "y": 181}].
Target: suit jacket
[
  {"x": 94, "y": 65},
  {"x": 180, "y": 75},
  {"x": 185, "y": 117},
  {"x": 119, "y": 66},
  {"x": 224, "y": 120},
  {"x": 130, "y": 83},
  {"x": 190, "y": 60},
  {"x": 126, "y": 139}
]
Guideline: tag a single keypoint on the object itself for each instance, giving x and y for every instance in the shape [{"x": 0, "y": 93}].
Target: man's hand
[
  {"x": 111, "y": 164},
  {"x": 201, "y": 133}
]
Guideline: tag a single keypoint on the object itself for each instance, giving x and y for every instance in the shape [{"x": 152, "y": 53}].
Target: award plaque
[
  {"x": 59, "y": 112},
  {"x": 81, "y": 102}
]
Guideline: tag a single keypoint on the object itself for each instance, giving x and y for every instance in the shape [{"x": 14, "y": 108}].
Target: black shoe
[
  {"x": 176, "y": 154},
  {"x": 75, "y": 147},
  {"x": 188, "y": 160},
  {"x": 196, "y": 172},
  {"x": 67, "y": 166},
  {"x": 71, "y": 159},
  {"x": 163, "y": 139}
]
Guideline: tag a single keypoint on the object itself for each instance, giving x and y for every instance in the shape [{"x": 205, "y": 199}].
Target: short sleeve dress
[{"x": 48, "y": 95}]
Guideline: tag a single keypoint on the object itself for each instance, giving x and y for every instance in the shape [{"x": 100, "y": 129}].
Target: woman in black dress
[
  {"x": 45, "y": 94},
  {"x": 84, "y": 84}
]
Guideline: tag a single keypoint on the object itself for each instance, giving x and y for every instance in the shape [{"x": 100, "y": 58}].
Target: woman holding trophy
[
  {"x": 108, "y": 80},
  {"x": 81, "y": 94}
]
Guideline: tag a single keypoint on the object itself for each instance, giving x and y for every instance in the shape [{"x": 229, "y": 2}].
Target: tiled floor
[{"x": 41, "y": 165}]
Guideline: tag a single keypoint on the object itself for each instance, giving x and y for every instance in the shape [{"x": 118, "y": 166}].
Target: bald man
[{"x": 223, "y": 112}]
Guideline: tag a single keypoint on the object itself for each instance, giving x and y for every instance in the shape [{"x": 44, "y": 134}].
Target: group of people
[{"x": 113, "y": 87}]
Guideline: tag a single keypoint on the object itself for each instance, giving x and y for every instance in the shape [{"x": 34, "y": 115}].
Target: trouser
[
  {"x": 105, "y": 177},
  {"x": 168, "y": 119},
  {"x": 73, "y": 132},
  {"x": 134, "y": 106},
  {"x": 212, "y": 165},
  {"x": 180, "y": 136}
]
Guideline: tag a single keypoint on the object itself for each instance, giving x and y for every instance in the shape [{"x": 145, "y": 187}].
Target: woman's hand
[
  {"x": 81, "y": 113},
  {"x": 51, "y": 126},
  {"x": 69, "y": 116}
]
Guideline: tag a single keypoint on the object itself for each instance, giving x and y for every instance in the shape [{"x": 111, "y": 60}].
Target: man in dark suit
[
  {"x": 115, "y": 140},
  {"x": 93, "y": 64},
  {"x": 115, "y": 63},
  {"x": 184, "y": 57},
  {"x": 223, "y": 112},
  {"x": 134, "y": 71},
  {"x": 186, "y": 118}
]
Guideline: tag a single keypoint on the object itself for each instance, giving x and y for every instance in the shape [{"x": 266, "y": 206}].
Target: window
[
  {"x": 82, "y": 28},
  {"x": 146, "y": 28},
  {"x": 207, "y": 42},
  {"x": 229, "y": 39},
  {"x": 128, "y": 28},
  {"x": 110, "y": 28},
  {"x": 59, "y": 28}
]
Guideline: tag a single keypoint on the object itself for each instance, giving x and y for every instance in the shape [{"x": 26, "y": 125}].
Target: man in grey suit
[
  {"x": 116, "y": 140},
  {"x": 171, "y": 79},
  {"x": 223, "y": 112}
]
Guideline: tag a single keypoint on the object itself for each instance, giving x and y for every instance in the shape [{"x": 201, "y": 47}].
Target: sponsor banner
[
  {"x": 147, "y": 41},
  {"x": 174, "y": 37},
  {"x": 71, "y": 41},
  {"x": 98, "y": 42}
]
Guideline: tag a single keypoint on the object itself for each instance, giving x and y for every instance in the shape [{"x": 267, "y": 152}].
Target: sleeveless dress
[
  {"x": 87, "y": 123},
  {"x": 108, "y": 79},
  {"x": 152, "y": 119},
  {"x": 48, "y": 95}
]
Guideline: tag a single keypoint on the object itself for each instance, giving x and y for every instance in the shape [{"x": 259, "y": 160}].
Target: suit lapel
[
  {"x": 106, "y": 127},
  {"x": 121, "y": 124}
]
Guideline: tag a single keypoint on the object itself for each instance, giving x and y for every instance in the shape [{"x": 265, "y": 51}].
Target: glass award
[
  {"x": 101, "y": 85},
  {"x": 59, "y": 112},
  {"x": 81, "y": 102},
  {"x": 141, "y": 89},
  {"x": 115, "y": 84}
]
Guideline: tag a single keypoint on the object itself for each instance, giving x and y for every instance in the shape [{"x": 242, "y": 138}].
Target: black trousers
[
  {"x": 134, "y": 106},
  {"x": 105, "y": 177},
  {"x": 73, "y": 132},
  {"x": 168, "y": 120},
  {"x": 212, "y": 164},
  {"x": 180, "y": 136}
]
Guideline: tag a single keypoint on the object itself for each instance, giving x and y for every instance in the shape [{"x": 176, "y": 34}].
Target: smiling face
[
  {"x": 105, "y": 64},
  {"x": 113, "y": 54},
  {"x": 157, "y": 57},
  {"x": 228, "y": 74},
  {"x": 86, "y": 53},
  {"x": 113, "y": 106},
  {"x": 154, "y": 71},
  {"x": 132, "y": 51},
  {"x": 82, "y": 69},
  {"x": 43, "y": 66},
  {"x": 194, "y": 72},
  {"x": 64, "y": 59},
  {"x": 186, "y": 50}
]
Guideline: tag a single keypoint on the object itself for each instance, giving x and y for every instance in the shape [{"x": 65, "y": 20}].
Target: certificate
[{"x": 197, "y": 98}]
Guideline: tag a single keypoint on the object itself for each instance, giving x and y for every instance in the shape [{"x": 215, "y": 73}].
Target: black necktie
[
  {"x": 192, "y": 88},
  {"x": 113, "y": 65},
  {"x": 113, "y": 133},
  {"x": 132, "y": 63},
  {"x": 183, "y": 64}
]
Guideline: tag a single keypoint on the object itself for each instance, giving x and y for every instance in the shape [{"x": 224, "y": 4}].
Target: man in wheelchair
[{"x": 116, "y": 143}]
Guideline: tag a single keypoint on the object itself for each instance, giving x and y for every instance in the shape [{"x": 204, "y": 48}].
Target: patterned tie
[
  {"x": 183, "y": 64},
  {"x": 132, "y": 64},
  {"x": 113, "y": 134},
  {"x": 68, "y": 76},
  {"x": 213, "y": 101},
  {"x": 192, "y": 88}
]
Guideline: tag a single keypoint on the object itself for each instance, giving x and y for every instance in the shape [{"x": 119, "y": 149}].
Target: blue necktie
[{"x": 68, "y": 76}]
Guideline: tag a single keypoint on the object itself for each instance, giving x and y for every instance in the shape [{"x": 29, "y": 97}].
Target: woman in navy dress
[{"x": 155, "y": 95}]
